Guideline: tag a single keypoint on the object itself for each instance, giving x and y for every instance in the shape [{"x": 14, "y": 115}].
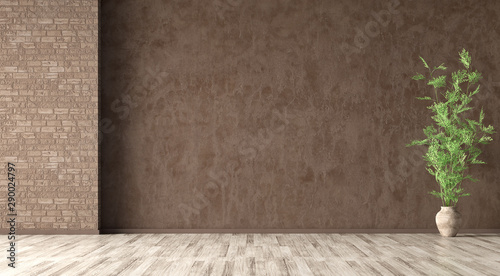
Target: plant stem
[{"x": 442, "y": 198}]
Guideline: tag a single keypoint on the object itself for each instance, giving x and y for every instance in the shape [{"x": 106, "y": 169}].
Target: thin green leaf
[
  {"x": 471, "y": 179},
  {"x": 474, "y": 77},
  {"x": 488, "y": 129},
  {"x": 425, "y": 63},
  {"x": 440, "y": 67},
  {"x": 418, "y": 77},
  {"x": 417, "y": 143},
  {"x": 465, "y": 59},
  {"x": 475, "y": 91},
  {"x": 424, "y": 98},
  {"x": 485, "y": 140},
  {"x": 464, "y": 109},
  {"x": 438, "y": 82}
]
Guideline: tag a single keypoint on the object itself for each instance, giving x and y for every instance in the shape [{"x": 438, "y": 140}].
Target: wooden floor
[{"x": 256, "y": 254}]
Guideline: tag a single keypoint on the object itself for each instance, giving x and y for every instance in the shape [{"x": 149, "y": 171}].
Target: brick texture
[{"x": 49, "y": 112}]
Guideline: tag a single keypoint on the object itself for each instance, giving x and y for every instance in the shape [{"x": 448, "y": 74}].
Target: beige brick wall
[{"x": 49, "y": 112}]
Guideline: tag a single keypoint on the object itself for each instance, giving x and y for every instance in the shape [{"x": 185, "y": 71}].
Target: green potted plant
[{"x": 453, "y": 138}]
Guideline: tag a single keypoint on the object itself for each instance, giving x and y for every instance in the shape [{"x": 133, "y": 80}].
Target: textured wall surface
[
  {"x": 275, "y": 114},
  {"x": 48, "y": 112}
]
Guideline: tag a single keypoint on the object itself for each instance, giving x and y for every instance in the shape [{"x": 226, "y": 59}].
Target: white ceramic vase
[{"x": 448, "y": 221}]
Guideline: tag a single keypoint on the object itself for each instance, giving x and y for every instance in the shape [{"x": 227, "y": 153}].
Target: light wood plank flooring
[{"x": 255, "y": 254}]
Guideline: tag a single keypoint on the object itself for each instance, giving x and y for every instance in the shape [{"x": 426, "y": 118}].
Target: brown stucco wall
[
  {"x": 48, "y": 114},
  {"x": 280, "y": 114}
]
